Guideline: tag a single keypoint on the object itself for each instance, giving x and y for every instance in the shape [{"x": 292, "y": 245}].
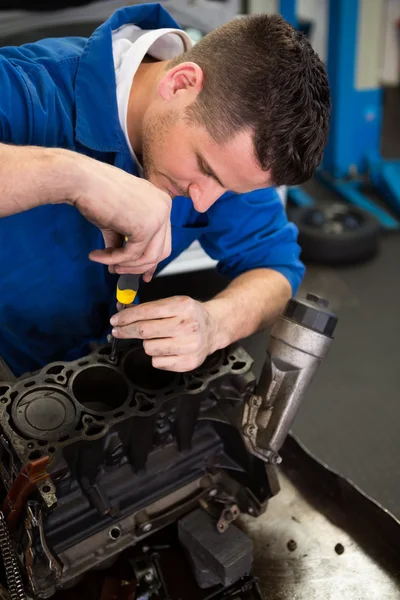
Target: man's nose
[{"x": 203, "y": 197}]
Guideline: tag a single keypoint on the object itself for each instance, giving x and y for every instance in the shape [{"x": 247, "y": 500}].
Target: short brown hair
[{"x": 262, "y": 73}]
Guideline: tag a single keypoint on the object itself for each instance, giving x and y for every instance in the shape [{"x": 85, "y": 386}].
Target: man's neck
[{"x": 143, "y": 90}]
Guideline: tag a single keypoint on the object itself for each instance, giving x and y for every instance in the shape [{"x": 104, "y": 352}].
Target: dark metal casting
[{"x": 95, "y": 455}]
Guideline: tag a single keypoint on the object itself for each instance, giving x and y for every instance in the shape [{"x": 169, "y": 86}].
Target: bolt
[
  {"x": 256, "y": 402},
  {"x": 227, "y": 515},
  {"x": 291, "y": 545},
  {"x": 250, "y": 510},
  {"x": 275, "y": 459},
  {"x": 213, "y": 492},
  {"x": 148, "y": 577},
  {"x": 318, "y": 300},
  {"x": 250, "y": 430},
  {"x": 146, "y": 527}
]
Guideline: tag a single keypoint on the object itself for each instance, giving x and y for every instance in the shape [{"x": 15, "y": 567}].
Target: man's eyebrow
[{"x": 204, "y": 166}]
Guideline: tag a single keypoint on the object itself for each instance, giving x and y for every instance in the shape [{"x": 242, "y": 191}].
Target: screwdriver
[{"x": 127, "y": 288}]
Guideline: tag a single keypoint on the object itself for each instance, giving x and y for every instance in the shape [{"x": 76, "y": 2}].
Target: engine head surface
[{"x": 119, "y": 451}]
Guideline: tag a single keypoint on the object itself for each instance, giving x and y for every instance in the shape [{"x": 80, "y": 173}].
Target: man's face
[{"x": 181, "y": 158}]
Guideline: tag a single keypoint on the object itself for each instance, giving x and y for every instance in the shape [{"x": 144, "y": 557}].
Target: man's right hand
[
  {"x": 120, "y": 204},
  {"x": 123, "y": 205}
]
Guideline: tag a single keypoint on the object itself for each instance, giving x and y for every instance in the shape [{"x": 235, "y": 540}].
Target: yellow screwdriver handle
[{"x": 127, "y": 288}]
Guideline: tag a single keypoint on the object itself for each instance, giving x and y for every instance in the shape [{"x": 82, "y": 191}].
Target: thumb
[{"x": 111, "y": 238}]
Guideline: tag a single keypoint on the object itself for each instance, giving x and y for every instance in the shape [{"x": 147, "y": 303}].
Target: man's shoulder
[
  {"x": 37, "y": 83},
  {"x": 51, "y": 54}
]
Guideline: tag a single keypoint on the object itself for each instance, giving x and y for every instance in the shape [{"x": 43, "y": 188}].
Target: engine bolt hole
[{"x": 114, "y": 533}]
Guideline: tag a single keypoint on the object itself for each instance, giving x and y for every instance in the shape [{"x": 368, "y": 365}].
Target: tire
[{"x": 336, "y": 234}]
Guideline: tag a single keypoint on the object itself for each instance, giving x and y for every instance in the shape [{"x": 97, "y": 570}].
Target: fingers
[
  {"x": 134, "y": 268},
  {"x": 148, "y": 275},
  {"x": 180, "y": 307},
  {"x": 113, "y": 256},
  {"x": 176, "y": 346},
  {"x": 155, "y": 253},
  {"x": 167, "y": 242},
  {"x": 156, "y": 328},
  {"x": 174, "y": 331},
  {"x": 112, "y": 239},
  {"x": 178, "y": 364},
  {"x": 121, "y": 204},
  {"x": 134, "y": 257}
]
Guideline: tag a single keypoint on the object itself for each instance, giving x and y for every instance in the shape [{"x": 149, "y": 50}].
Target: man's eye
[{"x": 206, "y": 173}]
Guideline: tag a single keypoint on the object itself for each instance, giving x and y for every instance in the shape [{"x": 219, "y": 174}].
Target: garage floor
[{"x": 319, "y": 539}]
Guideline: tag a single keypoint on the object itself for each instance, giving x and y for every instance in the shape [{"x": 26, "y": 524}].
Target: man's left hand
[{"x": 178, "y": 332}]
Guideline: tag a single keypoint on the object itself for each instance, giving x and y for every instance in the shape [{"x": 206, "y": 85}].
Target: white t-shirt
[{"x": 130, "y": 45}]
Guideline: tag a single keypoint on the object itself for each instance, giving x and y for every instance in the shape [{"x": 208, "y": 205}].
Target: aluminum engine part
[
  {"x": 95, "y": 456},
  {"x": 300, "y": 339}
]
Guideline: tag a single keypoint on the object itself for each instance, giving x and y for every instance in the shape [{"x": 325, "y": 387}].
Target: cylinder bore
[
  {"x": 212, "y": 361},
  {"x": 100, "y": 388},
  {"x": 140, "y": 371},
  {"x": 44, "y": 413}
]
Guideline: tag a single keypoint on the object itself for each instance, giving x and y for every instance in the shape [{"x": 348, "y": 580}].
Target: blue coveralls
[{"x": 53, "y": 300}]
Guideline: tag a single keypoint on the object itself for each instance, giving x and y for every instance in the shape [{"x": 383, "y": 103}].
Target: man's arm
[
  {"x": 118, "y": 203},
  {"x": 251, "y": 302},
  {"x": 31, "y": 177}
]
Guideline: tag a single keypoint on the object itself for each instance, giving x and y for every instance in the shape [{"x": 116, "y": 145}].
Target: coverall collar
[{"x": 97, "y": 123}]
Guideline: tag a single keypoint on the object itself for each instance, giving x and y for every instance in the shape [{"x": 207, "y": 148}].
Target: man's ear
[{"x": 185, "y": 77}]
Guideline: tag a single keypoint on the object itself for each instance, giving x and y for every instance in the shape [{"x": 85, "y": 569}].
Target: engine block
[{"x": 95, "y": 456}]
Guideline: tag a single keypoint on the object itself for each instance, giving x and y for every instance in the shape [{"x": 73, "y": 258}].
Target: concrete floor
[
  {"x": 350, "y": 418},
  {"x": 313, "y": 570}
]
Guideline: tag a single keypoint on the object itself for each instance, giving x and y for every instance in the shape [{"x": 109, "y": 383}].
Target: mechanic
[{"x": 135, "y": 132}]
